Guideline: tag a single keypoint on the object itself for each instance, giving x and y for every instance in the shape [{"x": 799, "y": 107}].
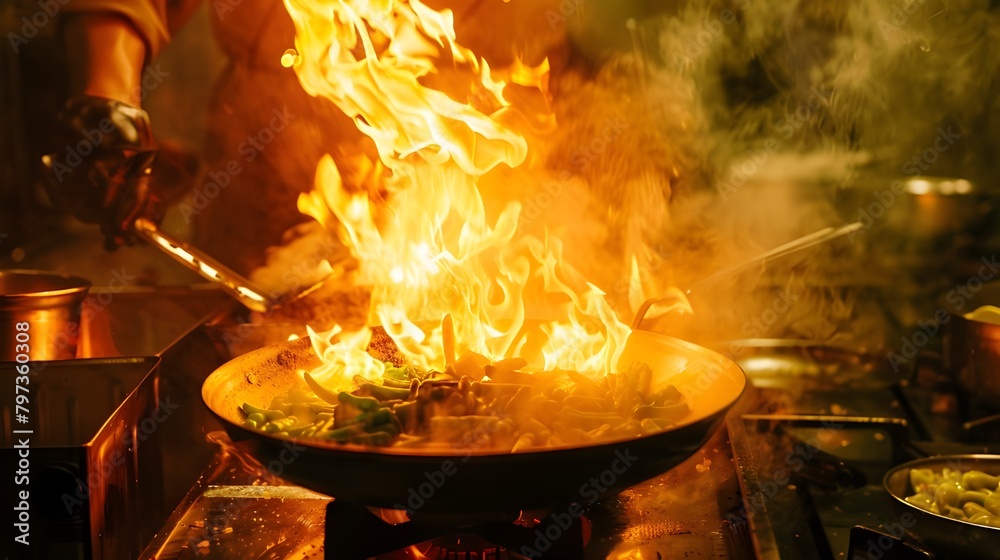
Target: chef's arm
[
  {"x": 106, "y": 56},
  {"x": 103, "y": 149}
]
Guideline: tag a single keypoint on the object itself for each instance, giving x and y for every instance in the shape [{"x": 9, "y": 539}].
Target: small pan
[{"x": 952, "y": 538}]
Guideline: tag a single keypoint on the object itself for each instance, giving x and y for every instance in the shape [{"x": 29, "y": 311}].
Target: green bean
[
  {"x": 383, "y": 393},
  {"x": 396, "y": 383},
  {"x": 398, "y": 374},
  {"x": 342, "y": 435},
  {"x": 267, "y": 413},
  {"x": 993, "y": 504},
  {"x": 973, "y": 508},
  {"x": 515, "y": 410},
  {"x": 281, "y": 425},
  {"x": 361, "y": 403},
  {"x": 979, "y": 498},
  {"x": 968, "y": 496},
  {"x": 302, "y": 431},
  {"x": 371, "y": 419},
  {"x": 975, "y": 480}
]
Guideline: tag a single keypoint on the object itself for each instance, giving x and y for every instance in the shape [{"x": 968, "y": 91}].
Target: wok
[{"x": 476, "y": 481}]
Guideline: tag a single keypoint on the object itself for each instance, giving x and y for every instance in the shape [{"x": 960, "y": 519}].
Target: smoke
[
  {"x": 709, "y": 132},
  {"x": 744, "y": 118}
]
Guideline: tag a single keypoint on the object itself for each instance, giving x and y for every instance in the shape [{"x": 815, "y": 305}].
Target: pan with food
[
  {"x": 952, "y": 503},
  {"x": 449, "y": 444}
]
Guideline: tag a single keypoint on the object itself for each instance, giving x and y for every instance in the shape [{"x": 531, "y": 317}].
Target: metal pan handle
[{"x": 205, "y": 266}]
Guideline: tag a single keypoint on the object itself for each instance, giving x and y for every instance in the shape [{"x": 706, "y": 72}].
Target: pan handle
[
  {"x": 677, "y": 302},
  {"x": 205, "y": 266},
  {"x": 822, "y": 236}
]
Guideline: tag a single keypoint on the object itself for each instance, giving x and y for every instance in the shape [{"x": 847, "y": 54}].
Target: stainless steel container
[
  {"x": 918, "y": 215},
  {"x": 972, "y": 347},
  {"x": 39, "y": 315},
  {"x": 95, "y": 448},
  {"x": 944, "y": 535}
]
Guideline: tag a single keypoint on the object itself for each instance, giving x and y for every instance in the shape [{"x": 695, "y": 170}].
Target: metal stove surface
[
  {"x": 239, "y": 511},
  {"x": 811, "y": 468}
]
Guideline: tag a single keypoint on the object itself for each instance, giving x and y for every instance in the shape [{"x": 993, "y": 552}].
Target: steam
[
  {"x": 744, "y": 118},
  {"x": 724, "y": 128}
]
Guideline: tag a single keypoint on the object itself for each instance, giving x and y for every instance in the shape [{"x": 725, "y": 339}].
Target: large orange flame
[{"x": 429, "y": 250}]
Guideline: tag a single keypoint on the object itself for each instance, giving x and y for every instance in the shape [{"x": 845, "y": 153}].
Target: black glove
[{"x": 100, "y": 167}]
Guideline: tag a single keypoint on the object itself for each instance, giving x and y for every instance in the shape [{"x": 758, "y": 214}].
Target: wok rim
[{"x": 362, "y": 451}]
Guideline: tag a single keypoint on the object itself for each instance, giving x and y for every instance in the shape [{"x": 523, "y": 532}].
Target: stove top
[
  {"x": 238, "y": 511},
  {"x": 700, "y": 509}
]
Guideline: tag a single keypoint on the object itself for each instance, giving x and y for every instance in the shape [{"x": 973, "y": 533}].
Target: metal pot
[
  {"x": 971, "y": 349},
  {"x": 920, "y": 214},
  {"x": 944, "y": 535},
  {"x": 39, "y": 315}
]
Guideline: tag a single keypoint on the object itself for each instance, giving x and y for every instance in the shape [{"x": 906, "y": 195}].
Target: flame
[
  {"x": 343, "y": 356},
  {"x": 429, "y": 249}
]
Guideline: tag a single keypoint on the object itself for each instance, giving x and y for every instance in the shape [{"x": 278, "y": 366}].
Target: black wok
[{"x": 475, "y": 482}]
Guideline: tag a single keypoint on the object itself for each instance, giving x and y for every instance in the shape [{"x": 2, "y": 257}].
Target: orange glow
[{"x": 429, "y": 250}]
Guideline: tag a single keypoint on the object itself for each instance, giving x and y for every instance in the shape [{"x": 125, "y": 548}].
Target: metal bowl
[
  {"x": 39, "y": 314},
  {"x": 944, "y": 535}
]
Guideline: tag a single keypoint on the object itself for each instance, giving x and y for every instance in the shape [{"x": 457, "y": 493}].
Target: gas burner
[
  {"x": 462, "y": 547},
  {"x": 561, "y": 533}
]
